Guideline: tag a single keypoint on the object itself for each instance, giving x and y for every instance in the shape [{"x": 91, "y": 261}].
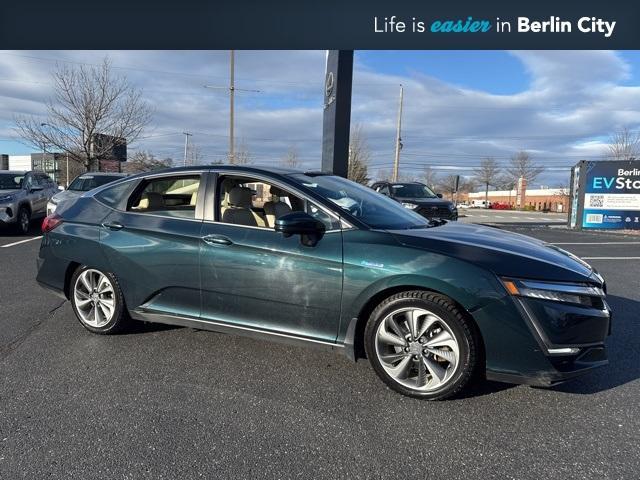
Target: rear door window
[{"x": 173, "y": 196}]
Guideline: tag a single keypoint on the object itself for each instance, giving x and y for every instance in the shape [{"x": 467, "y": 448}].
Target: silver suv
[{"x": 24, "y": 196}]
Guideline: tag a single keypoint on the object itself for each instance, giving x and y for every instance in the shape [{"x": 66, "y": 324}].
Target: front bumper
[
  {"x": 8, "y": 213},
  {"x": 541, "y": 342},
  {"x": 443, "y": 213},
  {"x": 564, "y": 369}
]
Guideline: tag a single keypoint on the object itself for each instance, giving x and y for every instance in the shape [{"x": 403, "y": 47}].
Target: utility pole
[
  {"x": 186, "y": 147},
  {"x": 396, "y": 161},
  {"x": 232, "y": 88},
  {"x": 232, "y": 91},
  {"x": 67, "y": 176}
]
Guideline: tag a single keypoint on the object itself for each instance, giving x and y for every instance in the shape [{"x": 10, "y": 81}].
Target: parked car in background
[
  {"x": 500, "y": 206},
  {"x": 23, "y": 197},
  {"x": 419, "y": 198},
  {"x": 326, "y": 262},
  {"x": 82, "y": 183},
  {"x": 480, "y": 203}
]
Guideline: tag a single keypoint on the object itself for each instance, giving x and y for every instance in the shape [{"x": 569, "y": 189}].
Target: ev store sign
[{"x": 611, "y": 194}]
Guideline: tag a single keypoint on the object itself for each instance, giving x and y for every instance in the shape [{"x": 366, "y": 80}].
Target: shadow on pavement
[
  {"x": 34, "y": 230},
  {"x": 622, "y": 350}
]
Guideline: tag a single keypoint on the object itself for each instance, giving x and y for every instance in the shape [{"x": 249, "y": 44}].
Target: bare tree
[
  {"x": 447, "y": 184},
  {"x": 429, "y": 177},
  {"x": 290, "y": 160},
  {"x": 194, "y": 155},
  {"x": 624, "y": 145},
  {"x": 242, "y": 155},
  {"x": 359, "y": 156},
  {"x": 522, "y": 165},
  {"x": 87, "y": 101},
  {"x": 486, "y": 175},
  {"x": 145, "y": 162}
]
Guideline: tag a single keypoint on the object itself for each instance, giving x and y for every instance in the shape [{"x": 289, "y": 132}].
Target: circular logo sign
[{"x": 328, "y": 85}]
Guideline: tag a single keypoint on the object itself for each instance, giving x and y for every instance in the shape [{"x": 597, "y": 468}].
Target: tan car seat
[
  {"x": 274, "y": 210},
  {"x": 239, "y": 210},
  {"x": 150, "y": 201}
]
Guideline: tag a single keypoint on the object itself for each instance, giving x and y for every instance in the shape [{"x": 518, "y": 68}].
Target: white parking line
[
  {"x": 596, "y": 243},
  {"x": 21, "y": 241},
  {"x": 610, "y": 258}
]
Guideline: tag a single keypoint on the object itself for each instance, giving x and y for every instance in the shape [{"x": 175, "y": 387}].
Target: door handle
[
  {"x": 216, "y": 240},
  {"x": 113, "y": 225}
]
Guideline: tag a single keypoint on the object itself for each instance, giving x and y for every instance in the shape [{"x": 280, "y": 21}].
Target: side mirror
[
  {"x": 36, "y": 188},
  {"x": 303, "y": 224},
  {"x": 439, "y": 195}
]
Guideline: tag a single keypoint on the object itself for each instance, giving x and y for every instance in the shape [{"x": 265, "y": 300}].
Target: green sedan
[{"x": 313, "y": 259}]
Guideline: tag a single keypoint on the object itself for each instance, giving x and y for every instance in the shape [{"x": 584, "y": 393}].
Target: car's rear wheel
[
  {"x": 421, "y": 345},
  {"x": 24, "y": 220},
  {"x": 97, "y": 301}
]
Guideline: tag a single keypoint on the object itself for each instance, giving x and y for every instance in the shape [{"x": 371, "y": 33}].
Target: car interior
[
  {"x": 173, "y": 197},
  {"x": 249, "y": 202},
  {"x": 255, "y": 203}
]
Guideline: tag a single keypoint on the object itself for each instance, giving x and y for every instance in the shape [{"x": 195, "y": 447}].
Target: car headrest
[
  {"x": 277, "y": 191},
  {"x": 155, "y": 200},
  {"x": 240, "y": 197}
]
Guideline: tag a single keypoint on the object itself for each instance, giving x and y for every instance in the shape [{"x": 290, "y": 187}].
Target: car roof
[
  {"x": 236, "y": 169},
  {"x": 15, "y": 172},
  {"x": 104, "y": 174}
]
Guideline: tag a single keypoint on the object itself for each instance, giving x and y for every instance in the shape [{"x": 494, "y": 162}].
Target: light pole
[
  {"x": 66, "y": 180},
  {"x": 186, "y": 147},
  {"x": 396, "y": 161}
]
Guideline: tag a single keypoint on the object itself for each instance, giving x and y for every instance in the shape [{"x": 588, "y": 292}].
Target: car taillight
[{"x": 51, "y": 222}]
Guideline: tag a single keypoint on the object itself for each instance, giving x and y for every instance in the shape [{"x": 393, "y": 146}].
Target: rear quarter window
[{"x": 117, "y": 195}]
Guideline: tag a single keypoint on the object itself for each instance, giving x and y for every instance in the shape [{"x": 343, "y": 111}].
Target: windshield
[
  {"x": 85, "y": 183},
  {"x": 11, "y": 181},
  {"x": 375, "y": 210},
  {"x": 412, "y": 190}
]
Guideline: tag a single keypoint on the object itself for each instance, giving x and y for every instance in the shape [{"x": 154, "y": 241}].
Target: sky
[{"x": 459, "y": 106}]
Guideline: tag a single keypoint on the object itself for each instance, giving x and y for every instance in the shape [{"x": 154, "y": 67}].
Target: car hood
[
  {"x": 65, "y": 195},
  {"x": 430, "y": 202},
  {"x": 505, "y": 253},
  {"x": 9, "y": 191}
]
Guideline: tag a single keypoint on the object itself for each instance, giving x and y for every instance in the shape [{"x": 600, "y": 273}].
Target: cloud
[{"x": 574, "y": 100}]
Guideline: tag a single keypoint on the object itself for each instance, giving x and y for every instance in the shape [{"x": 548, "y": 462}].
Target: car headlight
[
  {"x": 412, "y": 206},
  {"x": 581, "y": 294}
]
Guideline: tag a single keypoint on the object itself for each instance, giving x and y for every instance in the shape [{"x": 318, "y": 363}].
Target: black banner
[{"x": 328, "y": 24}]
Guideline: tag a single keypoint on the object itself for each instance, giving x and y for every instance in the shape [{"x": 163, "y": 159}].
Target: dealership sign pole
[{"x": 337, "y": 112}]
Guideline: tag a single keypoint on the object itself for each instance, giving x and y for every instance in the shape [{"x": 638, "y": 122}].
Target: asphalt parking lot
[
  {"x": 484, "y": 215},
  {"x": 165, "y": 402}
]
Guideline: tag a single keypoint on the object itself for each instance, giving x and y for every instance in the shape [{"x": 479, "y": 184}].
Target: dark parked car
[
  {"x": 420, "y": 198},
  {"x": 328, "y": 263},
  {"x": 23, "y": 197}
]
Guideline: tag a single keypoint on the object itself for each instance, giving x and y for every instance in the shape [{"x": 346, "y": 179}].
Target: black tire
[
  {"x": 23, "y": 221},
  {"x": 120, "y": 320},
  {"x": 459, "y": 325}
]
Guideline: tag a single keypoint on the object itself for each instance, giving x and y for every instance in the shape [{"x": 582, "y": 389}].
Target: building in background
[{"x": 541, "y": 199}]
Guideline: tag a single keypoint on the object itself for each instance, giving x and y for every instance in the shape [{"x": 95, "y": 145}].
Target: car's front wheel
[
  {"x": 421, "y": 345},
  {"x": 97, "y": 301},
  {"x": 24, "y": 220}
]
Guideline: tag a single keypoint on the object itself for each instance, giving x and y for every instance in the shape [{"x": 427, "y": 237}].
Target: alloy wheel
[
  {"x": 24, "y": 221},
  {"x": 94, "y": 298},
  {"x": 417, "y": 349}
]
